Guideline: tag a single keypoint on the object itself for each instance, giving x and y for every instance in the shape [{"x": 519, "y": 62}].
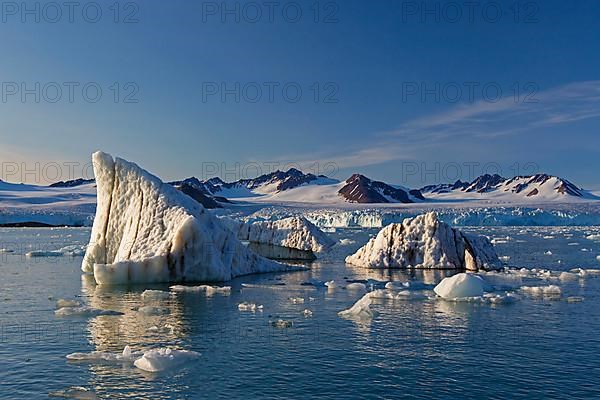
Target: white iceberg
[
  {"x": 460, "y": 286},
  {"x": 293, "y": 232},
  {"x": 164, "y": 359},
  {"x": 147, "y": 231},
  {"x": 426, "y": 242}
]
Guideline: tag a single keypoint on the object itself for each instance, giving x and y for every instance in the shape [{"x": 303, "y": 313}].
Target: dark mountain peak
[
  {"x": 485, "y": 183},
  {"x": 360, "y": 189},
  {"x": 73, "y": 182}
]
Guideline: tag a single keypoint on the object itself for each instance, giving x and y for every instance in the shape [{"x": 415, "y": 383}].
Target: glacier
[
  {"x": 426, "y": 242},
  {"x": 147, "y": 231}
]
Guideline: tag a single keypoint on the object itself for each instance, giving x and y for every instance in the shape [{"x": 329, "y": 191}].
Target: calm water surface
[{"x": 532, "y": 349}]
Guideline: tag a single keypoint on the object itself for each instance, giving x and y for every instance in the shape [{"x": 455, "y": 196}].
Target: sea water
[{"x": 534, "y": 348}]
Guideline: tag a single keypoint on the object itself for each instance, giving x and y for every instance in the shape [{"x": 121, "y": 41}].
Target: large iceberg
[
  {"x": 147, "y": 231},
  {"x": 426, "y": 242},
  {"x": 293, "y": 232}
]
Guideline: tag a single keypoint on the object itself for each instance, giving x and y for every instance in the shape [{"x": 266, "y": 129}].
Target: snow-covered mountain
[
  {"x": 267, "y": 184},
  {"x": 293, "y": 186},
  {"x": 540, "y": 187},
  {"x": 360, "y": 189}
]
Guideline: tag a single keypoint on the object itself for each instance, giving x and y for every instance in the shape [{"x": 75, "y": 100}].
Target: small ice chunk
[
  {"x": 207, "y": 289},
  {"x": 593, "y": 237},
  {"x": 151, "y": 310},
  {"x": 153, "y": 295},
  {"x": 574, "y": 299},
  {"x": 397, "y": 285},
  {"x": 245, "y": 306},
  {"x": 331, "y": 284},
  {"x": 356, "y": 286},
  {"x": 163, "y": 359},
  {"x": 548, "y": 253},
  {"x": 127, "y": 355},
  {"x": 540, "y": 291},
  {"x": 83, "y": 311},
  {"x": 361, "y": 310},
  {"x": 567, "y": 276},
  {"x": 307, "y": 313},
  {"x": 504, "y": 259},
  {"x": 460, "y": 286},
  {"x": 60, "y": 303},
  {"x": 75, "y": 392},
  {"x": 297, "y": 300},
  {"x": 281, "y": 324},
  {"x": 6, "y": 251}
]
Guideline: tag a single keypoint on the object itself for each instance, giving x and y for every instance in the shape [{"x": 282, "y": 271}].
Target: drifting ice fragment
[
  {"x": 460, "y": 286},
  {"x": 163, "y": 359},
  {"x": 361, "y": 310},
  {"x": 126, "y": 356},
  {"x": 83, "y": 311},
  {"x": 249, "y": 307}
]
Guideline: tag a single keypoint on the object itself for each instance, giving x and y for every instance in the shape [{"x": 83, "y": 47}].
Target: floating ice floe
[
  {"x": 154, "y": 295},
  {"x": 548, "y": 253},
  {"x": 297, "y": 300},
  {"x": 593, "y": 237},
  {"x": 207, "y": 289},
  {"x": 83, "y": 311},
  {"x": 281, "y": 324},
  {"x": 361, "y": 310},
  {"x": 147, "y": 231},
  {"x": 72, "y": 251},
  {"x": 249, "y": 307},
  {"x": 460, "y": 286},
  {"x": 307, "y": 313},
  {"x": 3, "y": 251},
  {"x": 75, "y": 392},
  {"x": 426, "y": 242},
  {"x": 152, "y": 311},
  {"x": 126, "y": 356},
  {"x": 164, "y": 359},
  {"x": 541, "y": 291},
  {"x": 504, "y": 259}
]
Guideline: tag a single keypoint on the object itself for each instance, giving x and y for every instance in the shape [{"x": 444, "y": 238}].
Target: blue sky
[{"x": 405, "y": 92}]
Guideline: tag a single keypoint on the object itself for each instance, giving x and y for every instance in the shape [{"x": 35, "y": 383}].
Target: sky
[{"x": 409, "y": 92}]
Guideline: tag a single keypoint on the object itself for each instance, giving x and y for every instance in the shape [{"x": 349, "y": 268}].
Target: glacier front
[{"x": 147, "y": 231}]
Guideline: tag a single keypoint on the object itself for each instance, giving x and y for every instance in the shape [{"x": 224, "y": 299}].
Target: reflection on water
[{"x": 425, "y": 348}]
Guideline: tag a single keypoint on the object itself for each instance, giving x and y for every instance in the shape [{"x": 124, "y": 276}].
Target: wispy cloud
[{"x": 478, "y": 120}]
